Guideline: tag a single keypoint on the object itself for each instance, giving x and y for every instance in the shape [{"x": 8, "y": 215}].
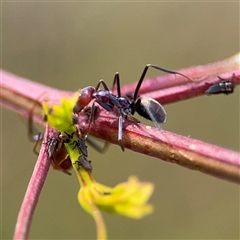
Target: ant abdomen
[{"x": 151, "y": 110}]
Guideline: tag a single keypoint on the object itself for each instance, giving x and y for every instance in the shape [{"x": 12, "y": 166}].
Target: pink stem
[
  {"x": 33, "y": 192},
  {"x": 187, "y": 152},
  {"x": 189, "y": 90}
]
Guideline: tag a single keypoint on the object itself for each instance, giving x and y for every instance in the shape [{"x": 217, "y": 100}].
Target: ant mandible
[{"x": 126, "y": 106}]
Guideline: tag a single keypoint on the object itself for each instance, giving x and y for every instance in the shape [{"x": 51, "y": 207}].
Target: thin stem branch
[
  {"x": 170, "y": 147},
  {"x": 197, "y": 73},
  {"x": 33, "y": 192},
  {"x": 192, "y": 89}
]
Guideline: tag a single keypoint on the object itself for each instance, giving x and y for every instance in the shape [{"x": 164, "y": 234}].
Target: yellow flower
[
  {"x": 60, "y": 116},
  {"x": 128, "y": 198}
]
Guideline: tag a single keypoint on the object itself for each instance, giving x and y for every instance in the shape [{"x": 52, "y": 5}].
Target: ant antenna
[{"x": 158, "y": 68}]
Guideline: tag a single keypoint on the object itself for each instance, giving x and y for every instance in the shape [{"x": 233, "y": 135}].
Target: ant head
[{"x": 85, "y": 97}]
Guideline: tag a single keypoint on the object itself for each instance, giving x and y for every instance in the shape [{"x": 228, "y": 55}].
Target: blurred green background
[{"x": 69, "y": 45}]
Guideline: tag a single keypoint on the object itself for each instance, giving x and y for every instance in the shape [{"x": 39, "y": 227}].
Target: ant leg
[
  {"x": 135, "y": 105},
  {"x": 169, "y": 71},
  {"x": 145, "y": 72},
  {"x": 120, "y": 134},
  {"x": 31, "y": 128},
  {"x": 103, "y": 84},
  {"x": 36, "y": 144},
  {"x": 31, "y": 136},
  {"x": 97, "y": 147},
  {"x": 116, "y": 81},
  {"x": 91, "y": 118}
]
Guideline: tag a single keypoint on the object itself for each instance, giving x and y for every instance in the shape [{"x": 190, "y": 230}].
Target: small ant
[
  {"x": 224, "y": 86},
  {"x": 126, "y": 106}
]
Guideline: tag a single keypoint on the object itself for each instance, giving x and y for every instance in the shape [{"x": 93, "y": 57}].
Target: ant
[
  {"x": 224, "y": 86},
  {"x": 126, "y": 106}
]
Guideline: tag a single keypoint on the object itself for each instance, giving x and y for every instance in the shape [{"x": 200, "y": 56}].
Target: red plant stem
[
  {"x": 192, "y": 89},
  {"x": 170, "y": 147},
  {"x": 187, "y": 152},
  {"x": 33, "y": 192}
]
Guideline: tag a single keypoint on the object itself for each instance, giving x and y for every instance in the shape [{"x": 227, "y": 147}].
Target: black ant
[
  {"x": 224, "y": 86},
  {"x": 126, "y": 106}
]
